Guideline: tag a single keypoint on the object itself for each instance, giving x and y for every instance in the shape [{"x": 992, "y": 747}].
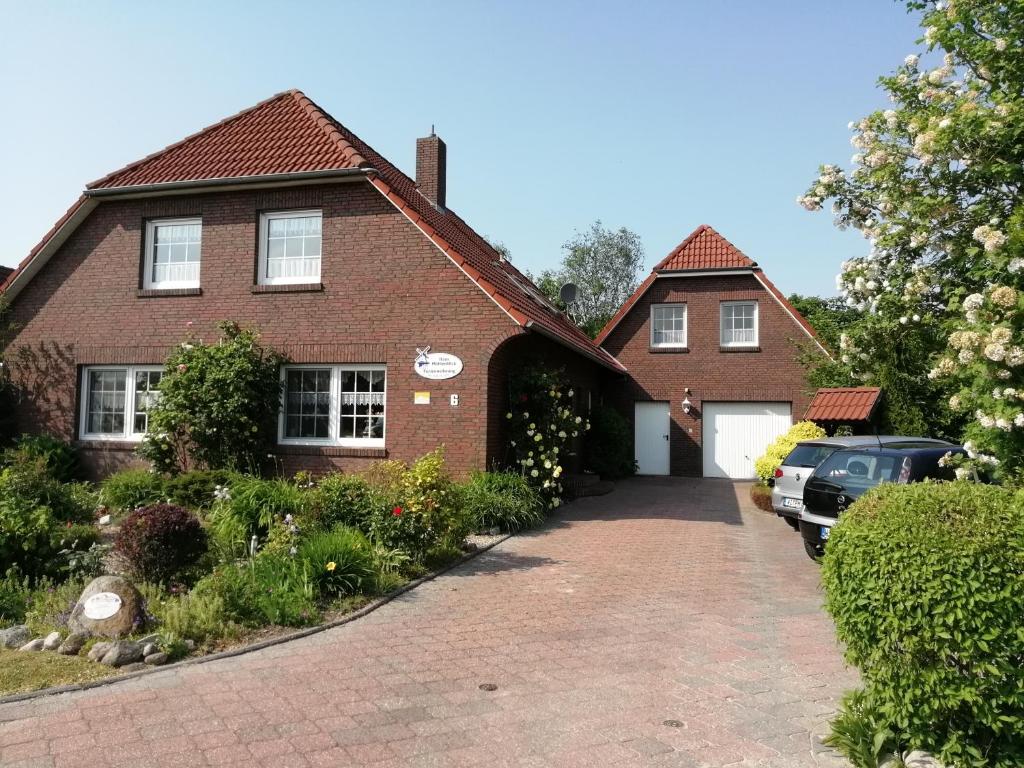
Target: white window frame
[
  {"x": 334, "y": 422},
  {"x": 265, "y": 219},
  {"x": 686, "y": 327},
  {"x": 128, "y": 434},
  {"x": 729, "y": 343},
  {"x": 150, "y": 254}
]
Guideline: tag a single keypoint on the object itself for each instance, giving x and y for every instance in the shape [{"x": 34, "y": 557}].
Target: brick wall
[
  {"x": 386, "y": 291},
  {"x": 770, "y": 374}
]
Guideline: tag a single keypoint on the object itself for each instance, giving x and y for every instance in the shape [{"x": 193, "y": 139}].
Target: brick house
[
  {"x": 281, "y": 218},
  {"x": 711, "y": 348}
]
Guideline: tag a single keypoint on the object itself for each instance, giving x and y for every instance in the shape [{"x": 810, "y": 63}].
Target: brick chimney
[{"x": 431, "y": 161}]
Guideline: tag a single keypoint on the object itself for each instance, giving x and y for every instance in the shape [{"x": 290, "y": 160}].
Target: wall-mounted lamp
[{"x": 687, "y": 405}]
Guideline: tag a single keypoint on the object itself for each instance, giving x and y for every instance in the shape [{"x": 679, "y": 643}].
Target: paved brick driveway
[{"x": 668, "y": 600}]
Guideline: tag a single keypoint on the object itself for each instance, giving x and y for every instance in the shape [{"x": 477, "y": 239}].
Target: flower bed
[{"x": 225, "y": 559}]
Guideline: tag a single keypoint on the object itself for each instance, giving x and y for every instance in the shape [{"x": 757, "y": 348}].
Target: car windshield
[
  {"x": 808, "y": 455},
  {"x": 859, "y": 470}
]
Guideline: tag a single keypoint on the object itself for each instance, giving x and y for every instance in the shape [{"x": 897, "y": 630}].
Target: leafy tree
[
  {"x": 500, "y": 247},
  {"x": 829, "y": 317},
  {"x": 605, "y": 266},
  {"x": 936, "y": 188},
  {"x": 218, "y": 404},
  {"x": 550, "y": 284}
]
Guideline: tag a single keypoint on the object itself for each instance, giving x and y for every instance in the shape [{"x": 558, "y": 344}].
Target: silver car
[{"x": 788, "y": 489}]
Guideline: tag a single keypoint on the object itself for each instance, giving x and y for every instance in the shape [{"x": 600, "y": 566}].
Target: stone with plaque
[{"x": 110, "y": 606}]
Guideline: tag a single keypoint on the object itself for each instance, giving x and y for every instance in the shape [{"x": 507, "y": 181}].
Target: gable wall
[
  {"x": 771, "y": 374},
  {"x": 387, "y": 291}
]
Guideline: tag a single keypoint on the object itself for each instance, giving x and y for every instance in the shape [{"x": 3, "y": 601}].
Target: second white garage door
[{"x": 735, "y": 434}]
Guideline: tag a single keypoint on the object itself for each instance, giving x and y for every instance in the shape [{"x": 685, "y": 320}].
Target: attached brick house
[
  {"x": 280, "y": 218},
  {"x": 711, "y": 347}
]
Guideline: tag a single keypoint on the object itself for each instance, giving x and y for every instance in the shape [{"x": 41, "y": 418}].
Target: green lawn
[{"x": 30, "y": 671}]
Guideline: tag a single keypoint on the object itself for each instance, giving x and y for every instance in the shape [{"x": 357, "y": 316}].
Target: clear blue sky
[{"x": 657, "y": 116}]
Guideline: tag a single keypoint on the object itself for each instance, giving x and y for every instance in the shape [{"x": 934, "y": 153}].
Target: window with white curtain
[
  {"x": 173, "y": 253},
  {"x": 739, "y": 324},
  {"x": 668, "y": 325},
  {"x": 334, "y": 405},
  {"x": 290, "y": 247},
  {"x": 116, "y": 400}
]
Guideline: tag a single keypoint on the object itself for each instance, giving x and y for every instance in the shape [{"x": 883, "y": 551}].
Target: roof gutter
[
  {"x": 705, "y": 272},
  {"x": 533, "y": 326},
  {"x": 270, "y": 179}
]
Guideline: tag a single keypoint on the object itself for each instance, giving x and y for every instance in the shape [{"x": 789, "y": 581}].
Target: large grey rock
[
  {"x": 14, "y": 637},
  {"x": 122, "y": 652},
  {"x": 156, "y": 659},
  {"x": 148, "y": 649},
  {"x": 97, "y": 651},
  {"x": 128, "y": 618},
  {"x": 51, "y": 642},
  {"x": 73, "y": 643},
  {"x": 33, "y": 645}
]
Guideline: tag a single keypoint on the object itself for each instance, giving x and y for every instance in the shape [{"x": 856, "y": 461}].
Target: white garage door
[{"x": 735, "y": 434}]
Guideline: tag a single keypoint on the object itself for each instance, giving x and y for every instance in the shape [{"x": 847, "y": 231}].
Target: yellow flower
[{"x": 331, "y": 565}]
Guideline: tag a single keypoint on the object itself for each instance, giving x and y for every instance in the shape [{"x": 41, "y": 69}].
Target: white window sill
[{"x": 369, "y": 443}]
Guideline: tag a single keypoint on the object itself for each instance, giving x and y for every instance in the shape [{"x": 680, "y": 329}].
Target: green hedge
[{"x": 926, "y": 586}]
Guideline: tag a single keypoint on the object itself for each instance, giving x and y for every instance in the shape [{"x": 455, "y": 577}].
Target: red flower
[
  {"x": 396, "y": 511},
  {"x": 69, "y": 524}
]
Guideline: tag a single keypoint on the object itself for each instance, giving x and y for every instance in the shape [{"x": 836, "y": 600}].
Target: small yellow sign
[{"x": 421, "y": 398}]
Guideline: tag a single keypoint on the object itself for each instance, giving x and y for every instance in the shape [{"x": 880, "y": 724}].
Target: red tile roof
[
  {"x": 286, "y": 133},
  {"x": 844, "y": 404},
  {"x": 289, "y": 134},
  {"x": 704, "y": 248}
]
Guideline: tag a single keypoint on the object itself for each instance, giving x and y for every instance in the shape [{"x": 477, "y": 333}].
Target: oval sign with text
[
  {"x": 102, "y": 606},
  {"x": 437, "y": 365}
]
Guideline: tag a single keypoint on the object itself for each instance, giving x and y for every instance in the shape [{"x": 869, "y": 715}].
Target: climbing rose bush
[
  {"x": 935, "y": 186},
  {"x": 218, "y": 404},
  {"x": 543, "y": 423}
]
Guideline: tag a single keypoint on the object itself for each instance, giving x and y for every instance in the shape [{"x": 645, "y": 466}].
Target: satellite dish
[{"x": 567, "y": 293}]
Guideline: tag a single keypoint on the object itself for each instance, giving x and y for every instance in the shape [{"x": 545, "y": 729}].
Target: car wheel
[
  {"x": 812, "y": 550},
  {"x": 794, "y": 524}
]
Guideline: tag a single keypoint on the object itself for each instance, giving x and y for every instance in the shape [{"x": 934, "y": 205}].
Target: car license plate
[
  {"x": 792, "y": 503},
  {"x": 825, "y": 531}
]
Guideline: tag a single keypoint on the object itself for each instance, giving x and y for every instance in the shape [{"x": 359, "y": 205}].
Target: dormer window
[
  {"x": 173, "y": 253},
  {"x": 290, "y": 247}
]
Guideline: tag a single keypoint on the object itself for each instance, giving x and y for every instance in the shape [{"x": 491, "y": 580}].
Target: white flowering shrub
[
  {"x": 935, "y": 186},
  {"x": 542, "y": 425}
]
